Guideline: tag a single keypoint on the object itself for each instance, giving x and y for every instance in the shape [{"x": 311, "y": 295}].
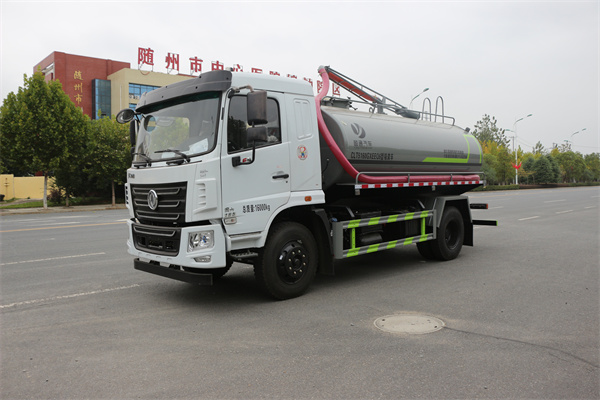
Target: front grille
[
  {"x": 157, "y": 240},
  {"x": 171, "y": 204}
]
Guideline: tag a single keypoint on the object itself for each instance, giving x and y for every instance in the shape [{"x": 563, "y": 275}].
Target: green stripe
[
  {"x": 447, "y": 160},
  {"x": 424, "y": 214},
  {"x": 374, "y": 221},
  {"x": 455, "y": 160},
  {"x": 373, "y": 248},
  {"x": 354, "y": 223},
  {"x": 391, "y": 219},
  {"x": 389, "y": 245},
  {"x": 352, "y": 253},
  {"x": 409, "y": 216}
]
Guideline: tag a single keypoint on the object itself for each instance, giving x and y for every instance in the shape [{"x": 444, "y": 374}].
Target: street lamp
[
  {"x": 411, "y": 101},
  {"x": 515, "y": 132},
  {"x": 578, "y": 132}
]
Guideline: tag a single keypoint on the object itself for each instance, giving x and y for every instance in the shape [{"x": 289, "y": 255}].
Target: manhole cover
[{"x": 409, "y": 323}]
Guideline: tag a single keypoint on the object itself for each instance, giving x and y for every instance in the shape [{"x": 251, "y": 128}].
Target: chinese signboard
[
  {"x": 78, "y": 88},
  {"x": 146, "y": 58}
]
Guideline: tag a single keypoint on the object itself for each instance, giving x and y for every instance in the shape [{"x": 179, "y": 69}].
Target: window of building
[
  {"x": 237, "y": 124},
  {"x": 100, "y": 98},
  {"x": 135, "y": 92}
]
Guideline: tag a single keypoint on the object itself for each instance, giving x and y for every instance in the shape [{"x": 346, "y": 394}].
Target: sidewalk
[{"x": 41, "y": 210}]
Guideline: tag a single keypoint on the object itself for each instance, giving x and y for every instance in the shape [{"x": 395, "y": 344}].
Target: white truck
[{"x": 234, "y": 167}]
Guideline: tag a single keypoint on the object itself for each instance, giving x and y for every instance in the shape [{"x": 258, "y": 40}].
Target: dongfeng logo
[
  {"x": 152, "y": 200},
  {"x": 359, "y": 130}
]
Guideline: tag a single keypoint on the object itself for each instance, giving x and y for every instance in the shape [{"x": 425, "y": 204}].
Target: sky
[{"x": 506, "y": 59}]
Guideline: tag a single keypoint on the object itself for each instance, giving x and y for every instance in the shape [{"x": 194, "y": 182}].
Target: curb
[{"x": 54, "y": 210}]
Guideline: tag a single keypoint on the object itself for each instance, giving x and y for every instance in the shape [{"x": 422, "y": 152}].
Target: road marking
[
  {"x": 60, "y": 227},
  {"x": 554, "y": 201},
  {"x": 59, "y": 223},
  {"x": 52, "y": 259},
  {"x": 590, "y": 207},
  {"x": 494, "y": 208},
  {"x": 564, "y": 212},
  {"x": 525, "y": 219},
  {"x": 69, "y": 296}
]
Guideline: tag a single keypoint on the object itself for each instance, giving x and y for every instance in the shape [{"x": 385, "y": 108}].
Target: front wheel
[
  {"x": 450, "y": 236},
  {"x": 287, "y": 264}
]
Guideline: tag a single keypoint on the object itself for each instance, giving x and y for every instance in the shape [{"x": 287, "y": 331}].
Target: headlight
[{"x": 200, "y": 241}]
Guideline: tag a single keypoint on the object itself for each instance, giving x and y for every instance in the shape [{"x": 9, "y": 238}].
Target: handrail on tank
[
  {"x": 426, "y": 100},
  {"x": 429, "y": 114},
  {"x": 331, "y": 101},
  {"x": 436, "y": 108}
]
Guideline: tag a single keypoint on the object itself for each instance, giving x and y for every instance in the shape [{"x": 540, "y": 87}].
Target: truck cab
[{"x": 201, "y": 189}]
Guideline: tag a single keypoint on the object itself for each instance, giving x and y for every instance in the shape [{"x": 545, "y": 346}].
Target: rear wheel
[
  {"x": 287, "y": 264},
  {"x": 450, "y": 236}
]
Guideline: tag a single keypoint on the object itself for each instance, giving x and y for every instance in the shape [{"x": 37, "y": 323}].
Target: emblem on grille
[{"x": 152, "y": 200}]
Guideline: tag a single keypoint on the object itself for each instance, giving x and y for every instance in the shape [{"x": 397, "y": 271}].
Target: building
[{"x": 101, "y": 87}]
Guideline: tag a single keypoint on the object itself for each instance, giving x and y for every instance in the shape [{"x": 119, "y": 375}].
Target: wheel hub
[{"x": 292, "y": 262}]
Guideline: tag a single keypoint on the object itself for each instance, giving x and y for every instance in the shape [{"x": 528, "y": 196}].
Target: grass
[
  {"x": 29, "y": 204},
  {"x": 76, "y": 201}
]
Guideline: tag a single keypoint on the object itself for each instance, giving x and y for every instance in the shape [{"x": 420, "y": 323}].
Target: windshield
[{"x": 178, "y": 130}]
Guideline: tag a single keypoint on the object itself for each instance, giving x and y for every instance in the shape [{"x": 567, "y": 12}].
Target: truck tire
[
  {"x": 450, "y": 235},
  {"x": 287, "y": 264}
]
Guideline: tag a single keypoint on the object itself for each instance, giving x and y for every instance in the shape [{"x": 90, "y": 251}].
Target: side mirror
[
  {"x": 253, "y": 134},
  {"x": 132, "y": 132},
  {"x": 256, "y": 134},
  {"x": 257, "y": 107},
  {"x": 125, "y": 115}
]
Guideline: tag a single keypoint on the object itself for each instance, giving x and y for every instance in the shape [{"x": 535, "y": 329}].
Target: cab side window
[{"x": 237, "y": 124}]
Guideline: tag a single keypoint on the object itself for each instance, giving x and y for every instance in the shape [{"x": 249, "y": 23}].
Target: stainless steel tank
[{"x": 382, "y": 143}]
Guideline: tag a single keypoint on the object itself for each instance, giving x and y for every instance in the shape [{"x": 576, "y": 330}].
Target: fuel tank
[{"x": 390, "y": 144}]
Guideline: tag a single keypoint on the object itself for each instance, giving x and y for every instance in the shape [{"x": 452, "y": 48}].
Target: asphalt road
[{"x": 521, "y": 312}]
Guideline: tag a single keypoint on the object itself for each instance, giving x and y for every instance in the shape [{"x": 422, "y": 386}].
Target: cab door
[{"x": 260, "y": 185}]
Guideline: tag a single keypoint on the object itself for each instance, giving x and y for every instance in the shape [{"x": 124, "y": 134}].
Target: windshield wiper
[
  {"x": 178, "y": 152},
  {"x": 148, "y": 160}
]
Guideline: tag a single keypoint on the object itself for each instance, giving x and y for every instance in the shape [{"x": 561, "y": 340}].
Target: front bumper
[
  {"x": 173, "y": 273},
  {"x": 174, "y": 253}
]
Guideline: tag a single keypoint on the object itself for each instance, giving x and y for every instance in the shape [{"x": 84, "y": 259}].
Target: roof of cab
[
  {"x": 272, "y": 83},
  {"x": 221, "y": 81}
]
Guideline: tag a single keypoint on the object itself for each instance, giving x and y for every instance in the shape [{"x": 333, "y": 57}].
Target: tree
[
  {"x": 70, "y": 175},
  {"x": 572, "y": 165},
  {"x": 109, "y": 153},
  {"x": 528, "y": 168},
  {"x": 504, "y": 169},
  {"x": 592, "y": 163},
  {"x": 489, "y": 168},
  {"x": 543, "y": 171},
  {"x": 38, "y": 122},
  {"x": 10, "y": 159},
  {"x": 487, "y": 131},
  {"x": 555, "y": 167},
  {"x": 539, "y": 148}
]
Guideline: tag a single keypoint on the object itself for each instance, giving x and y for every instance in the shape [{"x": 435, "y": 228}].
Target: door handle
[{"x": 281, "y": 176}]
